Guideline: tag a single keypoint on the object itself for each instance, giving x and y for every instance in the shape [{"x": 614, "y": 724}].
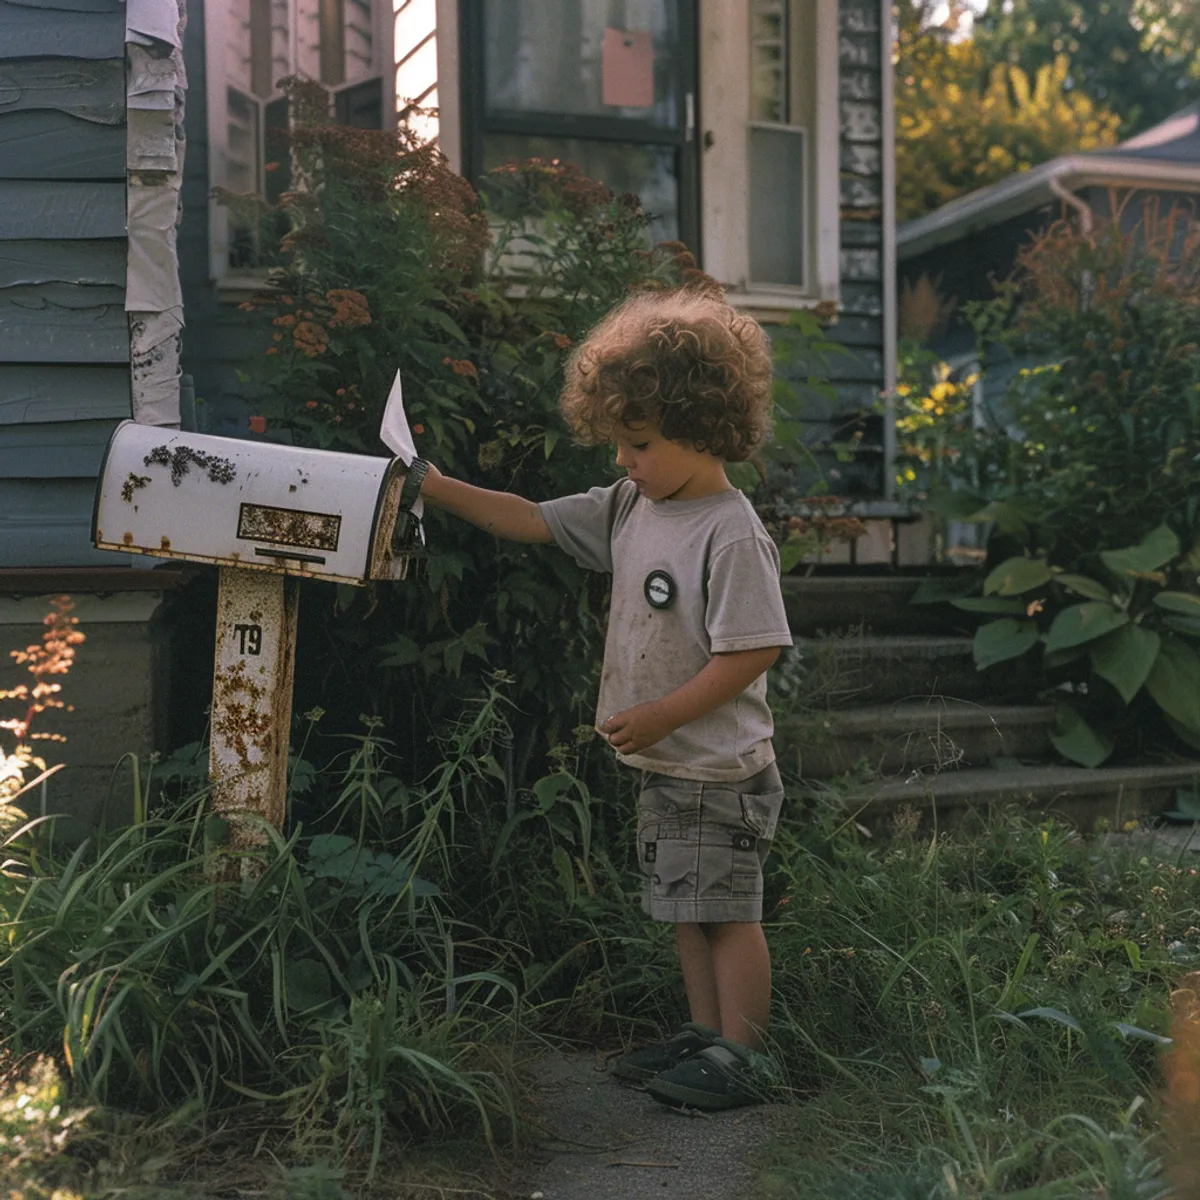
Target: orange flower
[
  {"x": 311, "y": 338},
  {"x": 311, "y": 404},
  {"x": 462, "y": 366},
  {"x": 418, "y": 429}
]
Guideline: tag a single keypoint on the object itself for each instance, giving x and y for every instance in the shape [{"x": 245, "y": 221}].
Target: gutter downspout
[{"x": 1086, "y": 216}]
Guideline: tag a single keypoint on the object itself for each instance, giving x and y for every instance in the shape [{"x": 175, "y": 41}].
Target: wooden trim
[
  {"x": 725, "y": 102},
  {"x": 450, "y": 132},
  {"x": 824, "y": 241},
  {"x": 890, "y": 346},
  {"x": 44, "y": 581}
]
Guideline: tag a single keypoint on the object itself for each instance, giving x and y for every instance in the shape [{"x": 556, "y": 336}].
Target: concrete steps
[
  {"x": 889, "y": 690},
  {"x": 879, "y": 604},
  {"x": 865, "y": 669},
  {"x": 1080, "y": 795},
  {"x": 916, "y": 735}
]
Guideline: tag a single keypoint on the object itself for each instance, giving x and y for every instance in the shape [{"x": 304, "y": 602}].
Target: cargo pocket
[
  {"x": 752, "y": 842},
  {"x": 668, "y": 837}
]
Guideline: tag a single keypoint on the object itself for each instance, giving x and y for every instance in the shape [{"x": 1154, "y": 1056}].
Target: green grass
[
  {"x": 979, "y": 1013},
  {"x": 974, "y": 1014}
]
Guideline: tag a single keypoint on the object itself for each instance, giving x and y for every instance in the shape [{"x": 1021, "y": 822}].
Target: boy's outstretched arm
[
  {"x": 502, "y": 513},
  {"x": 721, "y": 679}
]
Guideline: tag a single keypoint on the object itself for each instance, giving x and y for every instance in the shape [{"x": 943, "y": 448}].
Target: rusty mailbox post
[{"x": 266, "y": 515}]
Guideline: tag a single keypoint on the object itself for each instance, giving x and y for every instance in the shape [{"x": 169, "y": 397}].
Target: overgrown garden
[{"x": 976, "y": 1012}]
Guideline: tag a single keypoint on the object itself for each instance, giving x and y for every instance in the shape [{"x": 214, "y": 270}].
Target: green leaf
[
  {"x": 1174, "y": 682},
  {"x": 956, "y": 505},
  {"x": 990, "y": 604},
  {"x": 1153, "y": 551},
  {"x": 1187, "y": 625},
  {"x": 1053, "y": 1014},
  {"x": 998, "y": 641},
  {"x": 1189, "y": 737},
  {"x": 1060, "y": 658},
  {"x": 1125, "y": 658},
  {"x": 1078, "y": 741},
  {"x": 1083, "y": 586},
  {"x": 1183, "y": 603},
  {"x": 1133, "y": 1031},
  {"x": 791, "y": 553},
  {"x": 446, "y": 324},
  {"x": 308, "y": 984},
  {"x": 1083, "y": 623},
  {"x": 1017, "y": 575}
]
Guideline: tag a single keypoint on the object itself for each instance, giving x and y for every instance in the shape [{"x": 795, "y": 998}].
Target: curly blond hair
[{"x": 683, "y": 360}]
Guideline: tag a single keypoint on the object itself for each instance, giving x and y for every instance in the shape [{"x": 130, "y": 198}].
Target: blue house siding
[
  {"x": 857, "y": 371},
  {"x": 64, "y": 335}
]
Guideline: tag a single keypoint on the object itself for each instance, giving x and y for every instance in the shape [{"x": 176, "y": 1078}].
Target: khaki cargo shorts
[{"x": 702, "y": 846}]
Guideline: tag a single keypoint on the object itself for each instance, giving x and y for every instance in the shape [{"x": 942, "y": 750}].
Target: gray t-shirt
[{"x": 691, "y": 578}]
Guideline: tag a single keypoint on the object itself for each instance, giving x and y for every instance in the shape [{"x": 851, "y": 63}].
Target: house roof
[{"x": 1165, "y": 156}]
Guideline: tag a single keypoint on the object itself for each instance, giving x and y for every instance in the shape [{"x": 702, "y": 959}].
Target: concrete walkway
[{"x": 603, "y": 1141}]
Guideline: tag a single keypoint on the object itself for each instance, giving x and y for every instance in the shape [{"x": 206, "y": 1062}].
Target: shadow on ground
[{"x": 603, "y": 1141}]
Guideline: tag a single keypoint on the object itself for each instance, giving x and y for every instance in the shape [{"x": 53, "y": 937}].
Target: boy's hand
[{"x": 631, "y": 731}]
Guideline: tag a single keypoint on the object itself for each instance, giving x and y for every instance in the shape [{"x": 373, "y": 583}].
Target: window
[
  {"x": 770, "y": 173},
  {"x": 607, "y": 85},
  {"x": 722, "y": 115},
  {"x": 253, "y": 44}
]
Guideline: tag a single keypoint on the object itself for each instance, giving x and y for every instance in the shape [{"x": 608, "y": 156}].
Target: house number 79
[{"x": 249, "y": 638}]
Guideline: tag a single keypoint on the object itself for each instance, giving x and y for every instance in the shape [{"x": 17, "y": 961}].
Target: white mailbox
[
  {"x": 256, "y": 505},
  {"x": 262, "y": 513}
]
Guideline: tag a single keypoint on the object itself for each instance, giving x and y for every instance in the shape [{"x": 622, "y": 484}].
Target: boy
[{"x": 681, "y": 383}]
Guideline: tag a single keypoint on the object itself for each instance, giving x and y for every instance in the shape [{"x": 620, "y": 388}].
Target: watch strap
[{"x": 413, "y": 479}]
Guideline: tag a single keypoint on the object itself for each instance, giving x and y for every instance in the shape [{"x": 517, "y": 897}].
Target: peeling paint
[
  {"x": 180, "y": 459},
  {"x": 131, "y": 485}
]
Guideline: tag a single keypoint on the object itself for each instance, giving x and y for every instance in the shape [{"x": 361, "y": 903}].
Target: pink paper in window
[{"x": 627, "y": 68}]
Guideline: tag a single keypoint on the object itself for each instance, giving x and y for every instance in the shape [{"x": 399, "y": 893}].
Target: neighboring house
[
  {"x": 965, "y": 246},
  {"x": 759, "y": 132}
]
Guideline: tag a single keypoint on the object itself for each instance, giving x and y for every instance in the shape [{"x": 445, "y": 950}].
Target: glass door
[{"x": 609, "y": 85}]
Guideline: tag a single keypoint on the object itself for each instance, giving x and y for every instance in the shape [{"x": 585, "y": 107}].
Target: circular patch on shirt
[{"x": 660, "y": 589}]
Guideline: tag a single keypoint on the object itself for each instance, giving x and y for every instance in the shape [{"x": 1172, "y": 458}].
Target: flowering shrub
[
  {"x": 1109, "y": 424},
  {"x": 45, "y": 661},
  {"x": 389, "y": 261}
]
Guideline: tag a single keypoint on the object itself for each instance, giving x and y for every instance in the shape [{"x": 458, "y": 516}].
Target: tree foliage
[
  {"x": 1137, "y": 58},
  {"x": 964, "y": 121}
]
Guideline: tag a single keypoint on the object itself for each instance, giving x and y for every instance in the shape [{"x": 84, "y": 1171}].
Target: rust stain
[
  {"x": 289, "y": 527},
  {"x": 165, "y": 543},
  {"x": 127, "y": 538}
]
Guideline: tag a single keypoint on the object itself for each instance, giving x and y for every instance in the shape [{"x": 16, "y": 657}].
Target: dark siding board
[
  {"x": 48, "y": 523},
  {"x": 51, "y": 145},
  {"x": 88, "y": 6},
  {"x": 53, "y": 393},
  {"x": 53, "y": 451},
  {"x": 28, "y": 32},
  {"x": 860, "y": 364},
  {"x": 863, "y": 299},
  {"x": 93, "y": 89},
  {"x": 861, "y": 233},
  {"x": 86, "y": 262},
  {"x": 63, "y": 323},
  {"x": 32, "y": 209},
  {"x": 858, "y": 331}
]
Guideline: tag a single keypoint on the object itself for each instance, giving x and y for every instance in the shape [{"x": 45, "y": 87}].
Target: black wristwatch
[{"x": 413, "y": 479}]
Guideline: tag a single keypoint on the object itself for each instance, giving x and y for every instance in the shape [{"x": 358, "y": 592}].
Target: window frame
[
  {"x": 476, "y": 122},
  {"x": 233, "y": 284},
  {"x": 725, "y": 99}
]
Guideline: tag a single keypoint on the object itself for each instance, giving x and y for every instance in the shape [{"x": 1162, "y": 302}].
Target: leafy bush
[
  {"x": 1119, "y": 634},
  {"x": 1107, "y": 442},
  {"x": 391, "y": 262}
]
